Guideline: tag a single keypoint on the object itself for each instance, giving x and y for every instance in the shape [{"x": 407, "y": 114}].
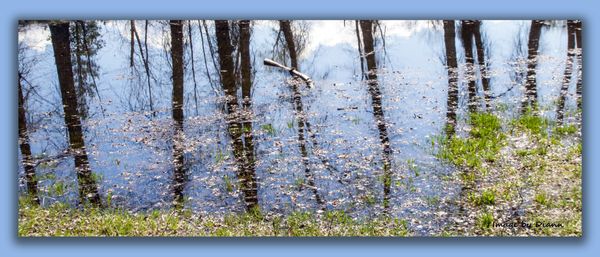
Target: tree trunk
[
  {"x": 568, "y": 71},
  {"x": 210, "y": 81},
  {"x": 147, "y": 65},
  {"x": 193, "y": 65},
  {"x": 481, "y": 62},
  {"x": 246, "y": 69},
  {"x": 467, "y": 32},
  {"x": 360, "y": 51},
  {"x": 226, "y": 63},
  {"x": 245, "y": 62},
  {"x": 177, "y": 102},
  {"x": 579, "y": 55},
  {"x": 289, "y": 39},
  {"x": 132, "y": 41},
  {"x": 59, "y": 33},
  {"x": 452, "y": 67},
  {"x": 369, "y": 50},
  {"x": 26, "y": 157},
  {"x": 245, "y": 169},
  {"x": 211, "y": 49},
  {"x": 177, "y": 61},
  {"x": 285, "y": 27},
  {"x": 144, "y": 60},
  {"x": 302, "y": 144},
  {"x": 135, "y": 37},
  {"x": 530, "y": 96}
]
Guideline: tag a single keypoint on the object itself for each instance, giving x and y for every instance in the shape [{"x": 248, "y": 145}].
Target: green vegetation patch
[
  {"x": 565, "y": 130},
  {"x": 62, "y": 220},
  {"x": 532, "y": 165},
  {"x": 535, "y": 124},
  {"x": 487, "y": 197},
  {"x": 486, "y": 139}
]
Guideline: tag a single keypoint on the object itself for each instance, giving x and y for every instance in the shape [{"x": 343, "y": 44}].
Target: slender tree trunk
[
  {"x": 204, "y": 54},
  {"x": 564, "y": 90},
  {"x": 147, "y": 67},
  {"x": 452, "y": 66},
  {"x": 277, "y": 40},
  {"x": 374, "y": 91},
  {"x": 245, "y": 62},
  {"x": 146, "y": 43},
  {"x": 177, "y": 100},
  {"x": 193, "y": 65},
  {"x": 382, "y": 33},
  {"x": 211, "y": 49},
  {"x": 132, "y": 41},
  {"x": 467, "y": 38},
  {"x": 286, "y": 27},
  {"x": 226, "y": 62},
  {"x": 26, "y": 157},
  {"x": 579, "y": 55},
  {"x": 360, "y": 51},
  {"x": 246, "y": 70},
  {"x": 530, "y": 96},
  {"x": 59, "y": 33},
  {"x": 481, "y": 62},
  {"x": 245, "y": 168},
  {"x": 145, "y": 61},
  {"x": 302, "y": 144}
]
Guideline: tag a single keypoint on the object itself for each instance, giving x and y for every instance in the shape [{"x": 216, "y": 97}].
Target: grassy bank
[
  {"x": 61, "y": 220},
  {"x": 520, "y": 177}
]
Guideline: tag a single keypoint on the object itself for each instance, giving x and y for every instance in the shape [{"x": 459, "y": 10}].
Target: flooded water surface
[{"x": 222, "y": 117}]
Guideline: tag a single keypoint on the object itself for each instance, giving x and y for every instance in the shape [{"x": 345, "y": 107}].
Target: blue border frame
[{"x": 299, "y": 9}]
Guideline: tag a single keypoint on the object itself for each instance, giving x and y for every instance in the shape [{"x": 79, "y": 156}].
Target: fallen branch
[{"x": 292, "y": 71}]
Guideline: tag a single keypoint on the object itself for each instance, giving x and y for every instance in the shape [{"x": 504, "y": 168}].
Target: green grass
[
  {"x": 432, "y": 200},
  {"x": 48, "y": 165},
  {"x": 47, "y": 176},
  {"x": 485, "y": 221},
  {"x": 565, "y": 130},
  {"x": 109, "y": 196},
  {"x": 228, "y": 184},
  {"x": 542, "y": 149},
  {"x": 412, "y": 166},
  {"x": 485, "y": 140},
  {"x": 268, "y": 128},
  {"x": 246, "y": 129},
  {"x": 487, "y": 197},
  {"x": 542, "y": 199},
  {"x": 537, "y": 125},
  {"x": 299, "y": 183},
  {"x": 575, "y": 151},
  {"x": 219, "y": 156},
  {"x": 97, "y": 178},
  {"x": 58, "y": 188},
  {"x": 537, "y": 155},
  {"x": 369, "y": 199},
  {"x": 62, "y": 220}
]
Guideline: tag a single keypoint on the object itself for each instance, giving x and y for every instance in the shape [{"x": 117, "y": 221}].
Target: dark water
[{"x": 313, "y": 148}]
